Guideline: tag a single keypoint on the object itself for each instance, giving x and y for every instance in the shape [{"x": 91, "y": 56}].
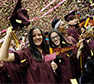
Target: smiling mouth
[
  {"x": 38, "y": 41},
  {"x": 56, "y": 41}
]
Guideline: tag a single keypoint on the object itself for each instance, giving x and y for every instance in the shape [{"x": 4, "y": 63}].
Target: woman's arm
[{"x": 4, "y": 51}]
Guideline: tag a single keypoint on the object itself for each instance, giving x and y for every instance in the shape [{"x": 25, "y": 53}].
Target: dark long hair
[
  {"x": 34, "y": 51},
  {"x": 61, "y": 40}
]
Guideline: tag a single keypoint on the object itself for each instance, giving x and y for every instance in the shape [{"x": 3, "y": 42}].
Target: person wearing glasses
[{"x": 67, "y": 61}]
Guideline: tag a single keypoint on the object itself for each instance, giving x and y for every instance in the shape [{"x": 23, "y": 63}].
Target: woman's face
[
  {"x": 37, "y": 37},
  {"x": 55, "y": 38}
]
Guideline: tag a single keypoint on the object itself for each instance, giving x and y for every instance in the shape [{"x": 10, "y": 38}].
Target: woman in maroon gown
[
  {"x": 27, "y": 65},
  {"x": 67, "y": 67}
]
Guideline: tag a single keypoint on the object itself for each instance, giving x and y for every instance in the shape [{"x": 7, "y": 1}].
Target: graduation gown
[
  {"x": 67, "y": 69},
  {"x": 91, "y": 44},
  {"x": 30, "y": 70},
  {"x": 10, "y": 73},
  {"x": 73, "y": 32},
  {"x": 70, "y": 40},
  {"x": 4, "y": 77}
]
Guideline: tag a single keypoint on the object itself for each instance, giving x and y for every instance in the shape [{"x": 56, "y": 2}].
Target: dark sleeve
[
  {"x": 57, "y": 74},
  {"x": 20, "y": 55},
  {"x": 72, "y": 32},
  {"x": 87, "y": 48},
  {"x": 73, "y": 40},
  {"x": 21, "y": 60}
]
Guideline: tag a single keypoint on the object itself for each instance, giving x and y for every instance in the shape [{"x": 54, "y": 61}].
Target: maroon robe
[
  {"x": 73, "y": 32},
  {"x": 67, "y": 69},
  {"x": 4, "y": 77},
  {"x": 84, "y": 54},
  {"x": 26, "y": 72},
  {"x": 70, "y": 40},
  {"x": 91, "y": 44},
  {"x": 10, "y": 73},
  {"x": 31, "y": 71}
]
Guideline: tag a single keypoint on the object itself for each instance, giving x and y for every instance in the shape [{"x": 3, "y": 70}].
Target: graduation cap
[
  {"x": 19, "y": 17},
  {"x": 70, "y": 15},
  {"x": 55, "y": 23}
]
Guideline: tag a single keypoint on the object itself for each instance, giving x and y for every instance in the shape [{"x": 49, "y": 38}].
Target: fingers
[
  {"x": 1, "y": 64},
  {"x": 54, "y": 65},
  {"x": 10, "y": 29}
]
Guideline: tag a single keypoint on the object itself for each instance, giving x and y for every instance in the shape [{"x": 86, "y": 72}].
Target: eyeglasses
[{"x": 55, "y": 37}]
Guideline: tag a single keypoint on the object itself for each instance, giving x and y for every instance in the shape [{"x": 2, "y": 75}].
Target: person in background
[
  {"x": 78, "y": 33},
  {"x": 73, "y": 29}
]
